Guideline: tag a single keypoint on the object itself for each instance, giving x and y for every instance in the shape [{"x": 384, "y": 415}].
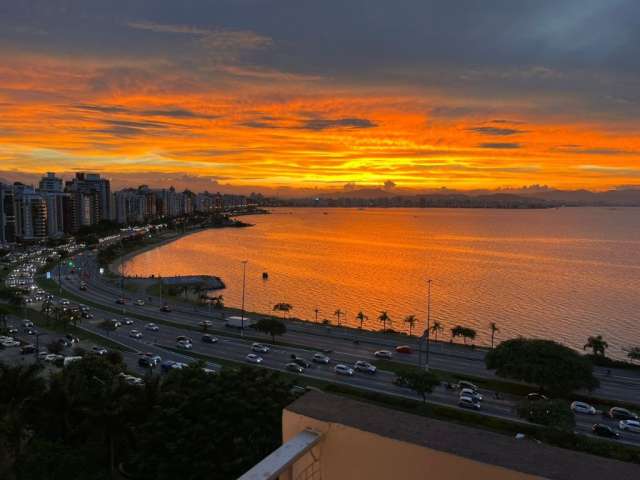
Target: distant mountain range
[{"x": 523, "y": 198}]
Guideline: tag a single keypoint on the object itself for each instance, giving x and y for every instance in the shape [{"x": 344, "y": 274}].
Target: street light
[
  {"x": 428, "y": 322},
  {"x": 244, "y": 281}
]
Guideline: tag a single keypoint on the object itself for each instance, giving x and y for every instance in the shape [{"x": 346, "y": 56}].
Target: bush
[{"x": 550, "y": 413}]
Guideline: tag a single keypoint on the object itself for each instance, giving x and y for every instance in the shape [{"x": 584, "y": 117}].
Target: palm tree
[
  {"x": 361, "y": 317},
  {"x": 597, "y": 344},
  {"x": 411, "y": 321},
  {"x": 436, "y": 328},
  {"x": 338, "y": 313},
  {"x": 283, "y": 307},
  {"x": 316, "y": 311},
  {"x": 494, "y": 328},
  {"x": 384, "y": 318}
]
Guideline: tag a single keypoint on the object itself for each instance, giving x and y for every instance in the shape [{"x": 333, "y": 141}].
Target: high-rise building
[
  {"x": 7, "y": 215},
  {"x": 31, "y": 214},
  {"x": 50, "y": 183},
  {"x": 90, "y": 200}
]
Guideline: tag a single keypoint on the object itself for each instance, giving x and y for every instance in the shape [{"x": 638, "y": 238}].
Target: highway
[{"x": 307, "y": 340}]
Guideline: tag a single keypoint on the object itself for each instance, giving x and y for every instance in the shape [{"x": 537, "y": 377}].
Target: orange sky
[{"x": 245, "y": 123}]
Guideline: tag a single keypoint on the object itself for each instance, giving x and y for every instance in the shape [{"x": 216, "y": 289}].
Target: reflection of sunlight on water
[{"x": 563, "y": 274}]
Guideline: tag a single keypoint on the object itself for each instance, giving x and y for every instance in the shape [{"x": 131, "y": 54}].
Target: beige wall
[{"x": 348, "y": 453}]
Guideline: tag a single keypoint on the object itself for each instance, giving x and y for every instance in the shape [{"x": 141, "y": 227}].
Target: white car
[
  {"x": 383, "y": 354},
  {"x": 260, "y": 348},
  {"x": 135, "y": 334},
  {"x": 52, "y": 357},
  {"x": 205, "y": 323},
  {"x": 582, "y": 407},
  {"x": 130, "y": 379},
  {"x": 127, "y": 321},
  {"x": 99, "y": 350},
  {"x": 253, "y": 358},
  {"x": 140, "y": 302},
  {"x": 341, "y": 369},
  {"x": 366, "y": 367},
  {"x": 9, "y": 343},
  {"x": 152, "y": 326},
  {"x": 469, "y": 402},
  {"x": 116, "y": 323},
  {"x": 629, "y": 425},
  {"x": 467, "y": 392},
  {"x": 27, "y": 323},
  {"x": 184, "y": 344},
  {"x": 320, "y": 358}
]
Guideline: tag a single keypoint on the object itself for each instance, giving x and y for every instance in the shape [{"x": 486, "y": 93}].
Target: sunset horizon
[{"x": 229, "y": 95}]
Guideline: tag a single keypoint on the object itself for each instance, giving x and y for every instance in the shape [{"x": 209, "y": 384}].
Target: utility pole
[
  {"x": 428, "y": 322},
  {"x": 244, "y": 281}
]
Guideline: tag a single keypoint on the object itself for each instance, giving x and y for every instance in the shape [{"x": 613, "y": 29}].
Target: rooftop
[{"x": 526, "y": 456}]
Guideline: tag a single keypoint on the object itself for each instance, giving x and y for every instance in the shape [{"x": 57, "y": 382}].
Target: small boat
[{"x": 265, "y": 276}]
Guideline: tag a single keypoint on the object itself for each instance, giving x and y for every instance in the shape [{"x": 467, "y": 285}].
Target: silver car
[
  {"x": 320, "y": 358},
  {"x": 629, "y": 425},
  {"x": 341, "y": 369}
]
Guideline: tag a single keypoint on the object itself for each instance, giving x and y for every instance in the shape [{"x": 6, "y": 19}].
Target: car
[
  {"x": 146, "y": 362},
  {"x": 152, "y": 327},
  {"x": 209, "y": 339},
  {"x": 341, "y": 369},
  {"x": 63, "y": 342},
  {"x": 116, "y": 323},
  {"x": 130, "y": 379},
  {"x": 535, "y": 397},
  {"x": 404, "y": 349},
  {"x": 169, "y": 365},
  {"x": 302, "y": 362},
  {"x": 466, "y": 384},
  {"x": 86, "y": 315},
  {"x": 83, "y": 287},
  {"x": 294, "y": 367},
  {"x": 27, "y": 323},
  {"x": 253, "y": 358},
  {"x": 135, "y": 334},
  {"x": 10, "y": 343},
  {"x": 65, "y": 302},
  {"x": 366, "y": 367},
  {"x": 260, "y": 348},
  {"x": 30, "y": 331},
  {"x": 182, "y": 338},
  {"x": 604, "y": 431},
  {"x": 383, "y": 354},
  {"x": 209, "y": 371},
  {"x": 140, "y": 302},
  {"x": 155, "y": 359},
  {"x": 72, "y": 338},
  {"x": 205, "y": 323},
  {"x": 629, "y": 425},
  {"x": 184, "y": 344},
  {"x": 53, "y": 357},
  {"x": 468, "y": 402},
  {"x": 121, "y": 301},
  {"x": 467, "y": 392},
  {"x": 619, "y": 413},
  {"x": 12, "y": 331},
  {"x": 320, "y": 358},
  {"x": 99, "y": 350},
  {"x": 127, "y": 321},
  {"x": 28, "y": 349},
  {"x": 165, "y": 308},
  {"x": 582, "y": 407}
]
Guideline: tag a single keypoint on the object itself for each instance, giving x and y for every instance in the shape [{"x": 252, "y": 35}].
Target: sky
[{"x": 299, "y": 94}]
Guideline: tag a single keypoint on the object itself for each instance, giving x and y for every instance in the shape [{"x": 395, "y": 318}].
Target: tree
[
  {"x": 108, "y": 326},
  {"x": 494, "y": 329},
  {"x": 555, "y": 414},
  {"x": 283, "y": 307},
  {"x": 464, "y": 332},
  {"x": 361, "y": 317},
  {"x": 338, "y": 313},
  {"x": 554, "y": 367},
  {"x": 421, "y": 382},
  {"x": 271, "y": 326},
  {"x": 436, "y": 328},
  {"x": 597, "y": 344},
  {"x": 384, "y": 318},
  {"x": 634, "y": 353},
  {"x": 410, "y": 320}
]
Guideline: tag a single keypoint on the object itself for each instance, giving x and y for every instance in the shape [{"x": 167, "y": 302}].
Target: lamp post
[
  {"x": 428, "y": 322},
  {"x": 244, "y": 282}
]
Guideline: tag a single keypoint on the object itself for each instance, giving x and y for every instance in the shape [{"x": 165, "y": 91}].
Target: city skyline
[{"x": 296, "y": 96}]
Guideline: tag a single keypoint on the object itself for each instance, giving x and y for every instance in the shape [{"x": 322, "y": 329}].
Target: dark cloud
[
  {"x": 499, "y": 145},
  {"x": 325, "y": 124},
  {"x": 495, "y": 131},
  {"x": 578, "y": 149},
  {"x": 173, "y": 112}
]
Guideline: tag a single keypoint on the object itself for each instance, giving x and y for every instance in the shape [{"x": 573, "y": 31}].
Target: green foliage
[
  {"x": 420, "y": 381},
  {"x": 554, "y": 367},
  {"x": 271, "y": 326},
  {"x": 213, "y": 427},
  {"x": 597, "y": 344},
  {"x": 464, "y": 332},
  {"x": 551, "y": 413}
]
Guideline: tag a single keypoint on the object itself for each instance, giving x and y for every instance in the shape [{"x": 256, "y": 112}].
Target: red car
[{"x": 403, "y": 349}]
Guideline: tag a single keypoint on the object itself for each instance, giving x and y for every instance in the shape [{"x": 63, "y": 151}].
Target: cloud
[
  {"x": 495, "y": 131},
  {"x": 499, "y": 145},
  {"x": 172, "y": 112},
  {"x": 325, "y": 124},
  {"x": 580, "y": 150}
]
